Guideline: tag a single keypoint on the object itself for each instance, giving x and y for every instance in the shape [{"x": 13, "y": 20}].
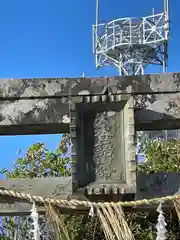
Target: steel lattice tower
[{"x": 131, "y": 44}]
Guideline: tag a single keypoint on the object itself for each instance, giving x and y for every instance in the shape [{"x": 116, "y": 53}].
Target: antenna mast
[
  {"x": 97, "y": 12},
  {"x": 95, "y": 33},
  {"x": 166, "y": 6}
]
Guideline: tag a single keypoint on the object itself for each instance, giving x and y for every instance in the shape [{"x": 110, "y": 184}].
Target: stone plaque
[
  {"x": 103, "y": 147},
  {"x": 109, "y": 146}
]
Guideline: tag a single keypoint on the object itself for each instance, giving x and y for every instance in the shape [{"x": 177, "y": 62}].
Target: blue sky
[{"x": 53, "y": 38}]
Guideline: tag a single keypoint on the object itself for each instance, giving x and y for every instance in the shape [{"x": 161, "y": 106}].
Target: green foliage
[
  {"x": 40, "y": 162},
  {"x": 37, "y": 162},
  {"x": 142, "y": 225},
  {"x": 84, "y": 227},
  {"x": 161, "y": 157}
]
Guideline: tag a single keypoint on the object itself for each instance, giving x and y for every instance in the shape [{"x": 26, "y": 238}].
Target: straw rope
[
  {"x": 57, "y": 223},
  {"x": 77, "y": 203},
  {"x": 109, "y": 214},
  {"x": 113, "y": 222}
]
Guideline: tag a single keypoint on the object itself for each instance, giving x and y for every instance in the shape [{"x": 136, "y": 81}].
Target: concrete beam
[
  {"x": 53, "y": 87},
  {"x": 52, "y": 115},
  {"x": 46, "y": 187},
  {"x": 31, "y": 106},
  {"x": 157, "y": 111},
  {"x": 148, "y": 186},
  {"x": 34, "y": 106}
]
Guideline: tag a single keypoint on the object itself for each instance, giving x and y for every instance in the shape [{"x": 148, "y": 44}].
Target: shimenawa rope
[{"x": 76, "y": 203}]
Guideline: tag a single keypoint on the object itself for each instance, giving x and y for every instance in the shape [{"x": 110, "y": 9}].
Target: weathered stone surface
[
  {"x": 148, "y": 186},
  {"x": 158, "y": 111},
  {"x": 49, "y": 87},
  {"x": 52, "y": 115},
  {"x": 45, "y": 187},
  {"x": 103, "y": 154},
  {"x": 154, "y": 83},
  {"x": 59, "y": 188},
  {"x": 20, "y": 114},
  {"x": 157, "y": 185},
  {"x": 43, "y": 106}
]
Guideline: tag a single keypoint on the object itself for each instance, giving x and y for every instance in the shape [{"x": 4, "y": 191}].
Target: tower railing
[{"x": 132, "y": 41}]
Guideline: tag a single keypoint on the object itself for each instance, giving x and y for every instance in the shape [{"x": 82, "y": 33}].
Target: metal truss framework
[{"x": 131, "y": 44}]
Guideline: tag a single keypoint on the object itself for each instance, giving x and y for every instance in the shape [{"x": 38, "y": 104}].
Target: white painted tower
[{"x": 131, "y": 44}]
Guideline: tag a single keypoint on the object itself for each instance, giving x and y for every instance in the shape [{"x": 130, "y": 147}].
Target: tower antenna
[
  {"x": 97, "y": 12},
  {"x": 166, "y": 6},
  {"x": 132, "y": 44}
]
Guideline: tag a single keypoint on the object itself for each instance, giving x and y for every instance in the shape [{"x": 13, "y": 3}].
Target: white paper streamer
[
  {"x": 91, "y": 211},
  {"x": 34, "y": 215},
  {"x": 161, "y": 224}
]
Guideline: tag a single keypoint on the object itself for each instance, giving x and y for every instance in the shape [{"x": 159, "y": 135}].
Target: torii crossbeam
[{"x": 91, "y": 109}]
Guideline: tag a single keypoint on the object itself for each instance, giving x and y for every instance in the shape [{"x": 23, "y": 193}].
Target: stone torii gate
[{"x": 102, "y": 116}]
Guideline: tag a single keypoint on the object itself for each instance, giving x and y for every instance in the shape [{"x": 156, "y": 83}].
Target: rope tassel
[{"x": 161, "y": 224}]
